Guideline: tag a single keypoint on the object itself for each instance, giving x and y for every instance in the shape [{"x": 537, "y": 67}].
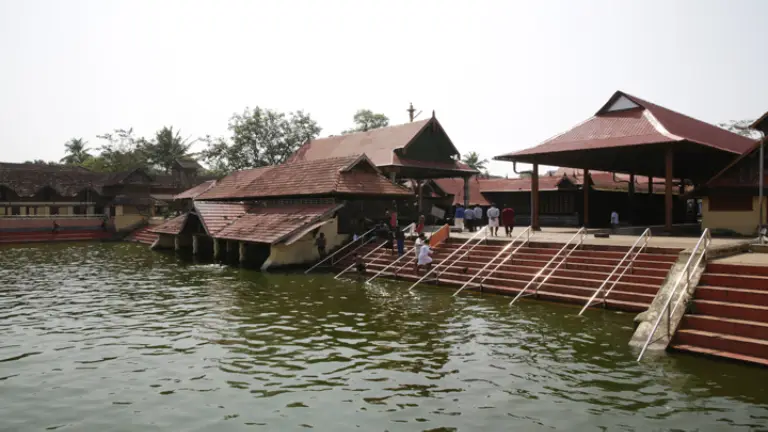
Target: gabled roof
[
  {"x": 171, "y": 226},
  {"x": 730, "y": 176},
  {"x": 273, "y": 224},
  {"x": 193, "y": 192},
  {"x": 188, "y": 163},
  {"x": 215, "y": 216},
  {"x": 350, "y": 175},
  {"x": 455, "y": 187},
  {"x": 626, "y": 120},
  {"x": 26, "y": 180},
  {"x": 761, "y": 124}
]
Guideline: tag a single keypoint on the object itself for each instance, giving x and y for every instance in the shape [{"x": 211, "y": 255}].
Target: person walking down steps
[{"x": 493, "y": 219}]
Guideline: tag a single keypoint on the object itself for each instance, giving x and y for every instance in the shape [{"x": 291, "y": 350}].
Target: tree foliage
[
  {"x": 260, "y": 137},
  {"x": 76, "y": 152},
  {"x": 366, "y": 120},
  {"x": 165, "y": 149},
  {"x": 473, "y": 160},
  {"x": 122, "y": 151},
  {"x": 741, "y": 127},
  {"x": 40, "y": 162}
]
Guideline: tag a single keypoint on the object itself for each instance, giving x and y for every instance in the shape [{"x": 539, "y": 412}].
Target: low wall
[
  {"x": 304, "y": 250},
  {"x": 16, "y": 224},
  {"x": 127, "y": 221},
  {"x": 741, "y": 222}
]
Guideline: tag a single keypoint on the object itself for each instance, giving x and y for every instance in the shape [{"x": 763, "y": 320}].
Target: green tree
[
  {"x": 40, "y": 162},
  {"x": 260, "y": 137},
  {"x": 741, "y": 127},
  {"x": 76, "y": 152},
  {"x": 366, "y": 120},
  {"x": 473, "y": 160},
  {"x": 166, "y": 148},
  {"x": 123, "y": 151}
]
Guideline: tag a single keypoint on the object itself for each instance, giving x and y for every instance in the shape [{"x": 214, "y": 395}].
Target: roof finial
[
  {"x": 433, "y": 113},
  {"x": 411, "y": 110}
]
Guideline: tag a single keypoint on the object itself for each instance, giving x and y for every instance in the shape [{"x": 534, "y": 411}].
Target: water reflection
[{"x": 113, "y": 337}]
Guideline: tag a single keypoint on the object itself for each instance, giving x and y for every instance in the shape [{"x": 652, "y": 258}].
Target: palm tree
[
  {"x": 473, "y": 160},
  {"x": 76, "y": 153},
  {"x": 167, "y": 148}
]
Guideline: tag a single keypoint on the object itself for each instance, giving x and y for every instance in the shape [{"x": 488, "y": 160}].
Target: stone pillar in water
[
  {"x": 195, "y": 245},
  {"x": 216, "y": 249},
  {"x": 177, "y": 243},
  {"x": 241, "y": 253}
]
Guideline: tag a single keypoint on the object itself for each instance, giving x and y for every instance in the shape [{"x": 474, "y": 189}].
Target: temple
[
  {"x": 635, "y": 137},
  {"x": 271, "y": 216}
]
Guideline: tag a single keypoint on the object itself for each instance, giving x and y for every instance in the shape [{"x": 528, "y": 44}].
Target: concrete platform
[
  {"x": 749, "y": 258},
  {"x": 562, "y": 235}
]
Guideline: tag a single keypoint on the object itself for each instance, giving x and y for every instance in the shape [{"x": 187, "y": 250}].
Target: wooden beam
[
  {"x": 535, "y": 198},
  {"x": 668, "y": 162},
  {"x": 631, "y": 215},
  {"x": 586, "y": 198}
]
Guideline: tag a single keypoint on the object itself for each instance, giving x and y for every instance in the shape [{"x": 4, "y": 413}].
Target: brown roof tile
[
  {"x": 273, "y": 224},
  {"x": 378, "y": 144},
  {"x": 195, "y": 191},
  {"x": 172, "y": 226},
  {"x": 455, "y": 187},
  {"x": 67, "y": 180},
  {"x": 646, "y": 124},
  {"x": 215, "y": 216},
  {"x": 344, "y": 175}
]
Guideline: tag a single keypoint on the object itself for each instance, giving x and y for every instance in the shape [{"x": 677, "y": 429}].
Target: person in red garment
[{"x": 508, "y": 219}]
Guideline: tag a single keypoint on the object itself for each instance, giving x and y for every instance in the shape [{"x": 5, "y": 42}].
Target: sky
[{"x": 500, "y": 75}]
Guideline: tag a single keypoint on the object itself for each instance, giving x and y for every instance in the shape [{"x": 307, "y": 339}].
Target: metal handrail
[
  {"x": 485, "y": 237},
  {"x": 528, "y": 238},
  {"x": 582, "y": 231},
  {"x": 446, "y": 259},
  {"x": 364, "y": 257},
  {"x": 647, "y": 235},
  {"x": 706, "y": 238},
  {"x": 393, "y": 262},
  {"x": 341, "y": 249},
  {"x": 412, "y": 260}
]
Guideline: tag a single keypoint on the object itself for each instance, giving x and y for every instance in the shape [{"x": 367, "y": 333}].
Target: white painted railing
[
  {"x": 646, "y": 236},
  {"x": 702, "y": 246},
  {"x": 359, "y": 240},
  {"x": 581, "y": 233}
]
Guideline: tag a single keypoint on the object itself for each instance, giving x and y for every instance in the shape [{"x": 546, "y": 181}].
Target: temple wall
[
  {"x": 742, "y": 222},
  {"x": 124, "y": 221},
  {"x": 304, "y": 250}
]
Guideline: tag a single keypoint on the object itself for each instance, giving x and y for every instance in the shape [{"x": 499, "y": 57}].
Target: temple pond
[{"x": 113, "y": 337}]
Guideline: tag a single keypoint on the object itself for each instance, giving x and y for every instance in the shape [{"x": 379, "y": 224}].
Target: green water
[{"x": 114, "y": 337}]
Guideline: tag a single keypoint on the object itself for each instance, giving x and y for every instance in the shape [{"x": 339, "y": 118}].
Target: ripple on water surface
[{"x": 113, "y": 337}]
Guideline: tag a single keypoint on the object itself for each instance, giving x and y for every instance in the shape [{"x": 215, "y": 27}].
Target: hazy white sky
[{"x": 501, "y": 75}]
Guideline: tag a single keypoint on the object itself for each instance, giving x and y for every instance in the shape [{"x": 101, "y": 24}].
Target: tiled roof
[
  {"x": 448, "y": 166},
  {"x": 343, "y": 175},
  {"x": 273, "y": 224},
  {"x": 28, "y": 179},
  {"x": 646, "y": 124},
  {"x": 378, "y": 144},
  {"x": 195, "y": 191},
  {"x": 742, "y": 172},
  {"x": 172, "y": 226},
  {"x": 546, "y": 183},
  {"x": 215, "y": 216},
  {"x": 455, "y": 187}
]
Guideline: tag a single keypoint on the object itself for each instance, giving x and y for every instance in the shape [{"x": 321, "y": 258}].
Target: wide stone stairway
[
  {"x": 728, "y": 316},
  {"x": 575, "y": 281}
]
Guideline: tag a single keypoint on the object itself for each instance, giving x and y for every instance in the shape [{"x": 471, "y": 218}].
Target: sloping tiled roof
[
  {"x": 455, "y": 187},
  {"x": 67, "y": 180},
  {"x": 172, "y": 226},
  {"x": 732, "y": 177},
  {"x": 546, "y": 183},
  {"x": 273, "y": 224},
  {"x": 646, "y": 124},
  {"x": 192, "y": 193},
  {"x": 215, "y": 216},
  {"x": 343, "y": 175},
  {"x": 378, "y": 144}
]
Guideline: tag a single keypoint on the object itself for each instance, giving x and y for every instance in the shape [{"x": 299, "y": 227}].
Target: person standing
[
  {"x": 478, "y": 211},
  {"x": 321, "y": 242},
  {"x": 493, "y": 219},
  {"x": 400, "y": 238},
  {"x": 458, "y": 218},
  {"x": 614, "y": 221},
  {"x": 508, "y": 219},
  {"x": 393, "y": 216},
  {"x": 420, "y": 226},
  {"x": 469, "y": 220},
  {"x": 420, "y": 240}
]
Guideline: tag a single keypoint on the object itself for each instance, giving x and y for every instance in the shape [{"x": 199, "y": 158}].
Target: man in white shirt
[
  {"x": 425, "y": 258},
  {"x": 420, "y": 240},
  {"x": 469, "y": 219},
  {"x": 493, "y": 219},
  {"x": 478, "y": 215},
  {"x": 614, "y": 221}
]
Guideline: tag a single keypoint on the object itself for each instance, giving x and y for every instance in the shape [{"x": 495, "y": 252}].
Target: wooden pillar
[
  {"x": 216, "y": 249},
  {"x": 195, "y": 245},
  {"x": 668, "y": 162},
  {"x": 420, "y": 185},
  {"x": 466, "y": 192},
  {"x": 535, "y": 198},
  {"x": 631, "y": 215},
  {"x": 241, "y": 252},
  {"x": 586, "y": 198},
  {"x": 176, "y": 243}
]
